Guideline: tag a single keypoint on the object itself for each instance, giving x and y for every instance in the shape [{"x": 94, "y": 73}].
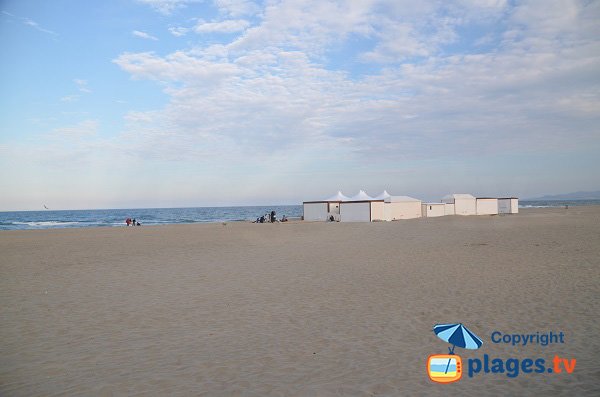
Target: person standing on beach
[{"x": 128, "y": 221}]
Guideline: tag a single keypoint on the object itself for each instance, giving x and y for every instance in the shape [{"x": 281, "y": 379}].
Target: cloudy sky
[{"x": 163, "y": 103}]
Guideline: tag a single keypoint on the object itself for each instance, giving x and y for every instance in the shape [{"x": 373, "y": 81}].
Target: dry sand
[{"x": 297, "y": 309}]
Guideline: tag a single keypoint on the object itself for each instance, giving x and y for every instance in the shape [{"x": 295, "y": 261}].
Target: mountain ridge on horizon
[{"x": 587, "y": 195}]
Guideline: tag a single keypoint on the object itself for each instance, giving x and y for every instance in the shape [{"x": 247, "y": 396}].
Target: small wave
[
  {"x": 546, "y": 206},
  {"x": 46, "y": 223}
]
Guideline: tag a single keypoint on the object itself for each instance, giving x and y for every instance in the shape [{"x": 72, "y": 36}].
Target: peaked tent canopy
[
  {"x": 464, "y": 204},
  {"x": 338, "y": 197},
  {"x": 458, "y": 196},
  {"x": 361, "y": 196},
  {"x": 383, "y": 195}
]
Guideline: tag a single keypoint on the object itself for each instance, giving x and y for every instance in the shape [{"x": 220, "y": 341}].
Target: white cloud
[
  {"x": 143, "y": 35},
  {"x": 167, "y": 6},
  {"x": 311, "y": 26},
  {"x": 176, "y": 67},
  {"x": 178, "y": 31},
  {"x": 236, "y": 8},
  {"x": 273, "y": 86},
  {"x": 83, "y": 129},
  {"x": 229, "y": 26},
  {"x": 31, "y": 23},
  {"x": 36, "y": 26},
  {"x": 397, "y": 41},
  {"x": 82, "y": 85},
  {"x": 70, "y": 98}
]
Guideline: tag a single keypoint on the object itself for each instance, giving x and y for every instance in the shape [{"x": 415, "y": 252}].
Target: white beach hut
[
  {"x": 322, "y": 210},
  {"x": 431, "y": 210},
  {"x": 487, "y": 206},
  {"x": 361, "y": 208},
  {"x": 448, "y": 209},
  {"x": 464, "y": 204},
  {"x": 508, "y": 205},
  {"x": 401, "y": 207}
]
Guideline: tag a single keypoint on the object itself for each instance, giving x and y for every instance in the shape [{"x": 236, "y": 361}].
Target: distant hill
[{"x": 571, "y": 196}]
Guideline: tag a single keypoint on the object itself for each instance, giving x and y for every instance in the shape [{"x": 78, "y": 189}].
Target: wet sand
[{"x": 297, "y": 309}]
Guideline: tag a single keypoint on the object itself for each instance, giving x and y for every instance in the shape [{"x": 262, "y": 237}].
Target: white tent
[
  {"x": 337, "y": 197},
  {"x": 464, "y": 204},
  {"x": 460, "y": 196},
  {"x": 323, "y": 210},
  {"x": 401, "y": 207},
  {"x": 361, "y": 196},
  {"x": 383, "y": 195},
  {"x": 361, "y": 208}
]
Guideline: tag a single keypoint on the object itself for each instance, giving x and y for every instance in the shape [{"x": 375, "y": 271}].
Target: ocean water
[
  {"x": 145, "y": 216},
  {"x": 160, "y": 216},
  {"x": 555, "y": 203}
]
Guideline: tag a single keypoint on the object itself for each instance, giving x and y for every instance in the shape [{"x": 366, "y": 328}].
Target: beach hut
[
  {"x": 464, "y": 204},
  {"x": 448, "y": 209},
  {"x": 315, "y": 210},
  {"x": 322, "y": 210},
  {"x": 508, "y": 205},
  {"x": 361, "y": 208},
  {"x": 431, "y": 210},
  {"x": 487, "y": 206},
  {"x": 401, "y": 207}
]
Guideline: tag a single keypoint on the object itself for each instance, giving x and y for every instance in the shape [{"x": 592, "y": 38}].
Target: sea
[{"x": 50, "y": 219}]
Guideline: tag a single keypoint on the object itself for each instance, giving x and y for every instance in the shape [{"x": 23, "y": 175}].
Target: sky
[{"x": 184, "y": 103}]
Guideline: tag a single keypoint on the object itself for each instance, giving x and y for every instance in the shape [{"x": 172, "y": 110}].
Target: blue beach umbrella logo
[{"x": 457, "y": 335}]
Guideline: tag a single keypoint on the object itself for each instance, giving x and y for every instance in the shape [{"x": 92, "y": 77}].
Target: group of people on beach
[
  {"x": 270, "y": 218},
  {"x": 132, "y": 222}
]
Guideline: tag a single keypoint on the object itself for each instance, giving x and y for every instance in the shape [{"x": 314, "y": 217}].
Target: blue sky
[{"x": 159, "y": 103}]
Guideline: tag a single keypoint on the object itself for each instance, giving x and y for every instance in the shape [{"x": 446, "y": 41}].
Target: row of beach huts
[{"x": 385, "y": 207}]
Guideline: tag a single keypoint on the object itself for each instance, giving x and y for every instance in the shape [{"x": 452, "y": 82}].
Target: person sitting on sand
[{"x": 284, "y": 219}]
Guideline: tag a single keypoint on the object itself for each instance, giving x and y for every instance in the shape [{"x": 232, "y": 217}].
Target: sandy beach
[{"x": 297, "y": 309}]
